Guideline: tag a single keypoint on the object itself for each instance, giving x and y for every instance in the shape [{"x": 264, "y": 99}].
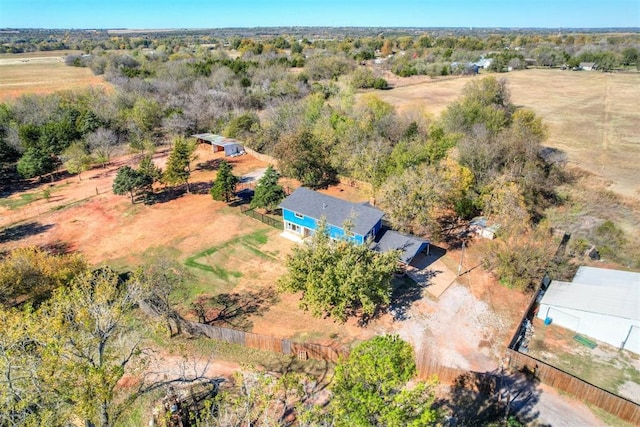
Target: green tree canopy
[
  {"x": 178, "y": 169},
  {"x": 268, "y": 193},
  {"x": 77, "y": 158},
  {"x": 302, "y": 156},
  {"x": 242, "y": 125},
  {"x": 485, "y": 101},
  {"x": 35, "y": 162},
  {"x": 339, "y": 278},
  {"x": 370, "y": 387},
  {"x": 224, "y": 186},
  {"x": 130, "y": 181}
]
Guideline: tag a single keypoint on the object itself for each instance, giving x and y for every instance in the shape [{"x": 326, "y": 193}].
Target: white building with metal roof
[
  {"x": 230, "y": 146},
  {"x": 599, "y": 303}
]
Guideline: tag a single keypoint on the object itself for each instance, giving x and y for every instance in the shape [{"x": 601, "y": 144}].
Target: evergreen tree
[
  {"x": 224, "y": 186},
  {"x": 130, "y": 181},
  {"x": 148, "y": 168},
  {"x": 179, "y": 163},
  {"x": 35, "y": 162},
  {"x": 268, "y": 193}
]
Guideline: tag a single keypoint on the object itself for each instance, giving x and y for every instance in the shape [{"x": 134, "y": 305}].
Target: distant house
[
  {"x": 304, "y": 208},
  {"x": 484, "y": 63},
  {"x": 588, "y": 66},
  {"x": 231, "y": 147},
  {"x": 599, "y": 303}
]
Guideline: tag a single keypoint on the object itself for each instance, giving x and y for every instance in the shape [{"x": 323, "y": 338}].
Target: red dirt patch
[{"x": 107, "y": 227}]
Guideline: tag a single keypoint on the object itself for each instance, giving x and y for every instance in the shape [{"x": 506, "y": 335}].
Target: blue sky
[{"x": 268, "y": 13}]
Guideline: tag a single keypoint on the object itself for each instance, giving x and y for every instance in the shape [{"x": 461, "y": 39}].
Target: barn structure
[
  {"x": 599, "y": 303},
  {"x": 231, "y": 147}
]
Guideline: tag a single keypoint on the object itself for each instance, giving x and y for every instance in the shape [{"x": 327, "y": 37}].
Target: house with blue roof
[{"x": 358, "y": 222}]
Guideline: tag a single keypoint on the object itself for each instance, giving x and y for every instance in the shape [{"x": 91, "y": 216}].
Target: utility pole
[{"x": 461, "y": 258}]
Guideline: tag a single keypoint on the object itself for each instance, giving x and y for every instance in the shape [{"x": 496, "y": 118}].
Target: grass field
[
  {"x": 42, "y": 72},
  {"x": 592, "y": 116},
  {"x": 605, "y": 366}
]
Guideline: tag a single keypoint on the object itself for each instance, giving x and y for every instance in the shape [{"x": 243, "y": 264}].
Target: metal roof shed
[
  {"x": 600, "y": 303},
  {"x": 230, "y": 146}
]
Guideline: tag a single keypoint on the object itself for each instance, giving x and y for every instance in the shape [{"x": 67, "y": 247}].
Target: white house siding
[
  {"x": 633, "y": 340},
  {"x": 605, "y": 328}
]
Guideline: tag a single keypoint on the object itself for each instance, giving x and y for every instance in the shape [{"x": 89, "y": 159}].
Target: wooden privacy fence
[
  {"x": 276, "y": 223},
  {"x": 616, "y": 405},
  {"x": 427, "y": 366},
  {"x": 272, "y": 344}
]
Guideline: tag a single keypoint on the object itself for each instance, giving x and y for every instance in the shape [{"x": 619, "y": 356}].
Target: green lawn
[
  {"x": 23, "y": 200},
  {"x": 221, "y": 268}
]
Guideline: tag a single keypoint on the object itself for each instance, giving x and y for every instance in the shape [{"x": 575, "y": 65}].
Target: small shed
[
  {"x": 588, "y": 66},
  {"x": 482, "y": 227},
  {"x": 599, "y": 303},
  {"x": 231, "y": 147}
]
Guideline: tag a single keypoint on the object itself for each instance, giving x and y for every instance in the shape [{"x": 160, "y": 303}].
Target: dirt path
[{"x": 559, "y": 410}]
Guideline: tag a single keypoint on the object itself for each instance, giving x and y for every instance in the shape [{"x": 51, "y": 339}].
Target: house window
[
  {"x": 297, "y": 215},
  {"x": 293, "y": 227}
]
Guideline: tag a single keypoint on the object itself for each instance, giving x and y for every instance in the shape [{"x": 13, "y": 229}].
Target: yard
[
  {"x": 237, "y": 260},
  {"x": 604, "y": 366}
]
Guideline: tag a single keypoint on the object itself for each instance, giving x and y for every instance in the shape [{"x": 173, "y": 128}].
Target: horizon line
[{"x": 467, "y": 27}]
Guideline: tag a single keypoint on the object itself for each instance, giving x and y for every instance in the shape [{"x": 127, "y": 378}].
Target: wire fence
[
  {"x": 266, "y": 219},
  {"x": 43, "y": 205}
]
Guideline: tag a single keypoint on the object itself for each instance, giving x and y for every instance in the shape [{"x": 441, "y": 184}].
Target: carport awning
[{"x": 388, "y": 240}]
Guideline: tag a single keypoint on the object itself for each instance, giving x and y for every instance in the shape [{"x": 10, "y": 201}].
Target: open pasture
[
  {"x": 592, "y": 116},
  {"x": 42, "y": 73}
]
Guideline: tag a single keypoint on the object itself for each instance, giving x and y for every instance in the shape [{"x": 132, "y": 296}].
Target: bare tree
[{"x": 102, "y": 143}]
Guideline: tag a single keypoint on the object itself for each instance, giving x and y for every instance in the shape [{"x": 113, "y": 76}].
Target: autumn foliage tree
[
  {"x": 32, "y": 272},
  {"x": 89, "y": 343},
  {"x": 62, "y": 361}
]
